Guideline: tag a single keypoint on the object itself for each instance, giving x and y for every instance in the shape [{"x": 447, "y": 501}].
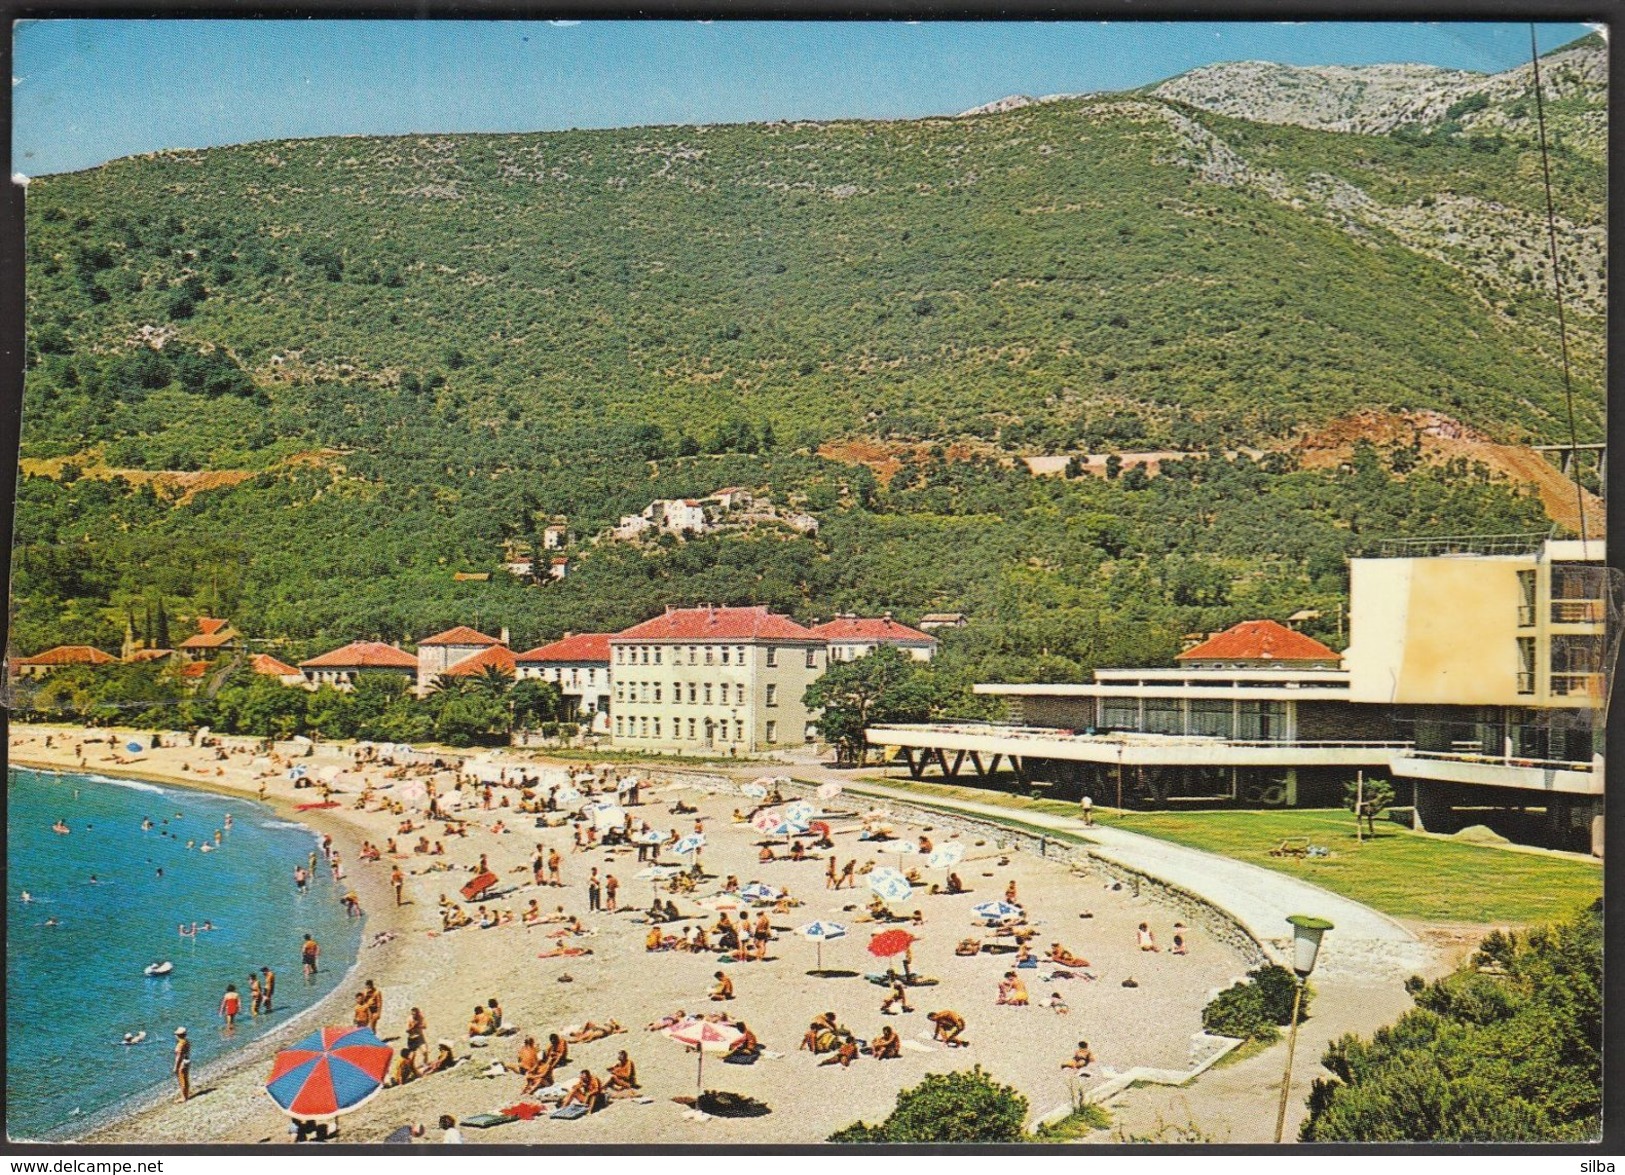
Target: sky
[{"x": 86, "y": 91}]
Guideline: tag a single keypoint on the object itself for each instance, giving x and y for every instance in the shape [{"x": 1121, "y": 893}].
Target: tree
[
  {"x": 948, "y": 1107},
  {"x": 536, "y": 701},
  {"x": 1368, "y": 800},
  {"x": 1114, "y": 466},
  {"x": 161, "y": 626},
  {"x": 883, "y": 686}
]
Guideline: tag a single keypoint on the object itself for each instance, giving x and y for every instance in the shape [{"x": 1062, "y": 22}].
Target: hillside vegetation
[{"x": 397, "y": 353}]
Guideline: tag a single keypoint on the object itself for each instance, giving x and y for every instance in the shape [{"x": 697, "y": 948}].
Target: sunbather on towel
[
  {"x": 845, "y": 1053},
  {"x": 623, "y": 1074},
  {"x": 590, "y": 1032},
  {"x": 747, "y": 1045},
  {"x": 1059, "y": 954},
  {"x": 666, "y": 1021},
  {"x": 587, "y": 1091},
  {"x": 563, "y": 952},
  {"x": 887, "y": 1045}
]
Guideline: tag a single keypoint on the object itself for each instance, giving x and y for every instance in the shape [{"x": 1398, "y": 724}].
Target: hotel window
[
  {"x": 812, "y": 658},
  {"x": 692, "y": 690},
  {"x": 772, "y": 698},
  {"x": 657, "y": 726},
  {"x": 739, "y": 654},
  {"x": 643, "y": 725},
  {"x": 657, "y": 655},
  {"x": 739, "y": 730},
  {"x": 1120, "y": 714},
  {"x": 723, "y": 692},
  {"x": 619, "y": 732},
  {"x": 620, "y": 691},
  {"x": 691, "y": 728},
  {"x": 643, "y": 691},
  {"x": 1526, "y": 665},
  {"x": 657, "y": 691},
  {"x": 1262, "y": 722},
  {"x": 1212, "y": 717},
  {"x": 1164, "y": 716},
  {"x": 772, "y": 732},
  {"x": 724, "y": 654},
  {"x": 708, "y": 693},
  {"x": 772, "y": 660},
  {"x": 620, "y": 655},
  {"x": 708, "y": 654},
  {"x": 645, "y": 659}
]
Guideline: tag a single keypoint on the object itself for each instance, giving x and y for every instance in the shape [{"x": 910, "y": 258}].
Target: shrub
[
  {"x": 948, "y": 1107},
  {"x": 1254, "y": 1008}
]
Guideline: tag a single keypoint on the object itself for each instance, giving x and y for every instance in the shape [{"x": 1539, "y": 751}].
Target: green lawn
[{"x": 1398, "y": 872}]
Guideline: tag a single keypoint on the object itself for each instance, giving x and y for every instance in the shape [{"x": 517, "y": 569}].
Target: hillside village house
[
  {"x": 340, "y": 667},
  {"x": 214, "y": 638},
  {"x": 438, "y": 653},
  {"x": 934, "y": 620},
  {"x": 579, "y": 664},
  {"x": 62, "y": 656},
  {"x": 1473, "y": 681},
  {"x": 556, "y": 535},
  {"x": 708, "y": 679},
  {"x": 677, "y": 516},
  {"x": 850, "y": 637},
  {"x": 265, "y": 665}
]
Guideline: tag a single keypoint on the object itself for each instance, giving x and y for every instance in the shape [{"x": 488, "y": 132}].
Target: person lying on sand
[
  {"x": 1059, "y": 954},
  {"x": 564, "y": 952},
  {"x": 845, "y": 1053},
  {"x": 887, "y": 1045},
  {"x": 969, "y": 946},
  {"x": 444, "y": 1059},
  {"x": 590, "y": 1031}
]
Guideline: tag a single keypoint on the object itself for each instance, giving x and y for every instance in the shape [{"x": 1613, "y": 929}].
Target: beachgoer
[
  {"x": 949, "y": 1026},
  {"x": 899, "y": 995},
  {"x": 1012, "y": 991},
  {"x": 417, "y": 1030},
  {"x": 590, "y": 1031},
  {"x": 406, "y": 1069},
  {"x": 479, "y": 1023},
  {"x": 495, "y": 1010},
  {"x": 623, "y": 1074},
  {"x": 268, "y": 982},
  {"x": 610, "y": 886},
  {"x": 308, "y": 955},
  {"x": 183, "y": 1063},
  {"x": 1082, "y": 1058},
  {"x": 1086, "y": 807},
  {"x": 587, "y": 1091},
  {"x": 398, "y": 880},
  {"x": 887, "y": 1045},
  {"x": 1145, "y": 938},
  {"x": 845, "y": 1053},
  {"x": 375, "y": 1006},
  {"x": 594, "y": 888},
  {"x": 1065, "y": 958},
  {"x": 230, "y": 1005},
  {"x": 724, "y": 989},
  {"x": 449, "y": 1125},
  {"x": 256, "y": 995}
]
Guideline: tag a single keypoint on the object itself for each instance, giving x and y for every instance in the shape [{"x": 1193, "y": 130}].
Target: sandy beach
[{"x": 446, "y": 974}]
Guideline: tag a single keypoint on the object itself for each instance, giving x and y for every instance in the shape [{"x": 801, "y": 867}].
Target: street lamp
[{"x": 1306, "y": 934}]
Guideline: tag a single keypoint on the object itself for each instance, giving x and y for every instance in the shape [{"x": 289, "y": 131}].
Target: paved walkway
[{"x": 1363, "y": 946}]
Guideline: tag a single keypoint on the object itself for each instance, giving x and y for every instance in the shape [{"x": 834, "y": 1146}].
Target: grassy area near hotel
[{"x": 1401, "y": 873}]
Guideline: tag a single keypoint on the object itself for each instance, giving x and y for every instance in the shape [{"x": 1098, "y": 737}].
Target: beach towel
[
  {"x": 524, "y": 1111},
  {"x": 486, "y": 1121},
  {"x": 1029, "y": 963},
  {"x": 915, "y": 1046},
  {"x": 739, "y": 1059},
  {"x": 569, "y": 1113}
]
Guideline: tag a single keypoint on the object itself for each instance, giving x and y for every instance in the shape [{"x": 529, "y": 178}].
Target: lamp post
[{"x": 1306, "y": 933}]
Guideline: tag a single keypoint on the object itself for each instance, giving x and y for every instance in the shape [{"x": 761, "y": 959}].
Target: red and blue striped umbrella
[{"x": 332, "y": 1070}]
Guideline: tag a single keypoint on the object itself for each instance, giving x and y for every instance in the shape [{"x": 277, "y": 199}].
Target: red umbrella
[
  {"x": 890, "y": 943},
  {"x": 479, "y": 885}
]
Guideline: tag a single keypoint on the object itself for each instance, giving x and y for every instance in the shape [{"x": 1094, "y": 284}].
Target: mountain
[
  {"x": 1382, "y": 99},
  {"x": 304, "y": 383}
]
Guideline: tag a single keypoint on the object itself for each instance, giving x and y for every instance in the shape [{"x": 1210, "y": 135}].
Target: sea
[{"x": 117, "y": 895}]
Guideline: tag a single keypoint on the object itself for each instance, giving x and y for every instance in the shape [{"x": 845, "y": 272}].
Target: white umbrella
[
  {"x": 769, "y": 820},
  {"x": 996, "y": 911},
  {"x": 692, "y": 843},
  {"x": 889, "y": 885},
  {"x": 328, "y": 773},
  {"x": 567, "y": 795},
  {"x": 820, "y": 933},
  {"x": 946, "y": 856},
  {"x": 652, "y": 837},
  {"x": 828, "y": 791},
  {"x": 755, "y": 791},
  {"x": 705, "y": 1037},
  {"x": 758, "y": 891},
  {"x": 607, "y": 816},
  {"x": 799, "y": 812}
]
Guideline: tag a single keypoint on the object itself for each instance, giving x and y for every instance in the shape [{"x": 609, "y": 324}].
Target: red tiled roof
[
  {"x": 209, "y": 640},
  {"x": 270, "y": 666},
  {"x": 143, "y": 655},
  {"x": 498, "y": 657},
  {"x": 461, "y": 635},
  {"x": 1259, "y": 640},
  {"x": 866, "y": 628},
  {"x": 195, "y": 668},
  {"x": 69, "y": 655},
  {"x": 209, "y": 625},
  {"x": 718, "y": 624},
  {"x": 363, "y": 655},
  {"x": 583, "y": 646}
]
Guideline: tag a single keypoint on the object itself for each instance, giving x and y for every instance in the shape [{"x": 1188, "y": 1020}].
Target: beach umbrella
[
  {"x": 704, "y": 1036},
  {"x": 332, "y": 1070},
  {"x": 996, "y": 911},
  {"x": 328, "y": 773},
  {"x": 820, "y": 933},
  {"x": 757, "y": 891},
  {"x": 946, "y": 856},
  {"x": 654, "y": 875},
  {"x": 692, "y": 843},
  {"x": 298, "y": 772},
  {"x": 652, "y": 837},
  {"x": 723, "y": 901},
  {"x": 607, "y": 816},
  {"x": 479, "y": 885},
  {"x": 889, "y": 885},
  {"x": 755, "y": 791},
  {"x": 828, "y": 791},
  {"x": 202, "y": 733},
  {"x": 768, "y": 820},
  {"x": 134, "y": 747},
  {"x": 567, "y": 795},
  {"x": 411, "y": 791},
  {"x": 888, "y": 944},
  {"x": 626, "y": 785},
  {"x": 799, "y": 812}
]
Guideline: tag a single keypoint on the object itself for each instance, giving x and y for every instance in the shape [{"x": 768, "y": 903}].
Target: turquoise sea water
[{"x": 73, "y": 990}]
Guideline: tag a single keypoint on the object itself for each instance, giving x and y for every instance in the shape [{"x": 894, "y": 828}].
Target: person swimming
[
  {"x": 26, "y": 897},
  {"x": 61, "y": 827},
  {"x": 134, "y": 1037}
]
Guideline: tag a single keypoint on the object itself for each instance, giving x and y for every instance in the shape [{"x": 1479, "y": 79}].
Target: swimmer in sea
[
  {"x": 160, "y": 871},
  {"x": 51, "y": 922},
  {"x": 134, "y": 1037},
  {"x": 61, "y": 827},
  {"x": 146, "y": 824},
  {"x": 26, "y": 897}
]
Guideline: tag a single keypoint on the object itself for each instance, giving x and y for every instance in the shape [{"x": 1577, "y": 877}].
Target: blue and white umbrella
[
  {"x": 692, "y": 843},
  {"x": 567, "y": 795},
  {"x": 996, "y": 911},
  {"x": 799, "y": 812},
  {"x": 656, "y": 873},
  {"x": 757, "y": 891},
  {"x": 755, "y": 791},
  {"x": 606, "y": 816},
  {"x": 889, "y": 885},
  {"x": 820, "y": 933},
  {"x": 652, "y": 837},
  {"x": 297, "y": 772},
  {"x": 946, "y": 856}
]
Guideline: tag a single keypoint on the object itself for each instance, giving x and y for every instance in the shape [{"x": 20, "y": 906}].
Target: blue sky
[{"x": 86, "y": 91}]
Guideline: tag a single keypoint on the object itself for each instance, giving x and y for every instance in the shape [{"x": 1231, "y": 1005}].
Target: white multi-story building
[
  {"x": 579, "y": 665},
  {"x": 710, "y": 679},
  {"x": 851, "y": 637}
]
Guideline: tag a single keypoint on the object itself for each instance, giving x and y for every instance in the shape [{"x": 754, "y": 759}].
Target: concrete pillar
[
  {"x": 1597, "y": 837},
  {"x": 1432, "y": 807},
  {"x": 1291, "y": 800}
]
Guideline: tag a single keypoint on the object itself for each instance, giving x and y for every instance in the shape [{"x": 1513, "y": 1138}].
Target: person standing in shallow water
[
  {"x": 183, "y": 1063},
  {"x": 230, "y": 1004},
  {"x": 268, "y": 985},
  {"x": 308, "y": 954}
]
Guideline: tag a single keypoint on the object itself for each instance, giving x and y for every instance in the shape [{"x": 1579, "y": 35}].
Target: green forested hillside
[{"x": 466, "y": 334}]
